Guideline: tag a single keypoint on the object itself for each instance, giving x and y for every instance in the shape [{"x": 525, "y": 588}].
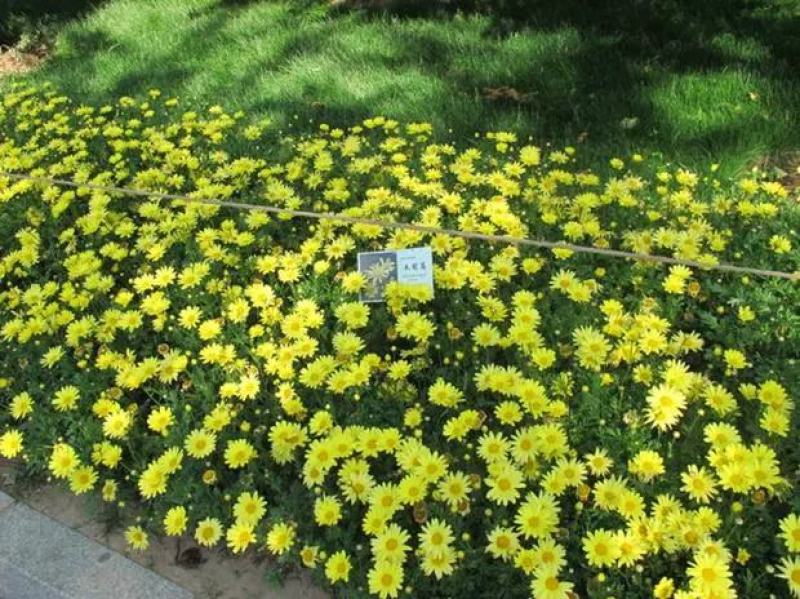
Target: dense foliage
[
  {"x": 28, "y": 23},
  {"x": 547, "y": 422}
]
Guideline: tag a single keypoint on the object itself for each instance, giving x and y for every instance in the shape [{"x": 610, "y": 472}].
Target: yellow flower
[
  {"x": 280, "y": 538},
  {"x": 664, "y": 588},
  {"x": 189, "y": 317},
  {"x": 66, "y": 398},
  {"x": 171, "y": 366},
  {"x": 11, "y": 444},
  {"x": 413, "y": 325},
  {"x": 735, "y": 360},
  {"x": 538, "y": 516},
  {"x": 170, "y": 461},
  {"x": 746, "y": 314},
  {"x": 309, "y": 555},
  {"x": 546, "y": 584},
  {"x": 117, "y": 423},
  {"x": 742, "y": 556},
  {"x": 109, "y": 490},
  {"x": 137, "y": 538},
  {"x": 439, "y": 563},
  {"x": 790, "y": 532},
  {"x": 175, "y": 521},
  {"x": 238, "y": 310},
  {"x": 444, "y": 394},
  {"x": 412, "y": 490},
  {"x": 327, "y": 511},
  {"x": 354, "y": 282},
  {"x": 399, "y": 370},
  {"x": 790, "y": 572},
  {"x": 52, "y": 356},
  {"x": 391, "y": 544},
  {"x": 780, "y": 244},
  {"x": 435, "y": 537},
  {"x": 699, "y": 484},
  {"x": 601, "y": 548},
  {"x": 710, "y": 575},
  {"x": 674, "y": 284},
  {"x": 249, "y": 508},
  {"x": 647, "y": 465},
  {"x": 209, "y": 329},
  {"x": 529, "y": 155},
  {"x": 240, "y": 536},
  {"x": 160, "y": 419},
  {"x": 504, "y": 482},
  {"x": 503, "y": 543},
  {"x": 509, "y": 413},
  {"x": 82, "y": 479},
  {"x": 665, "y": 406},
  {"x": 153, "y": 481},
  {"x": 337, "y": 567},
  {"x": 238, "y": 453},
  {"x": 385, "y": 579},
  {"x": 208, "y": 532},
  {"x": 598, "y": 462},
  {"x": 354, "y": 315},
  {"x": 454, "y": 489},
  {"x": 21, "y": 406},
  {"x": 773, "y": 395},
  {"x": 200, "y": 443},
  {"x": 63, "y": 460}
]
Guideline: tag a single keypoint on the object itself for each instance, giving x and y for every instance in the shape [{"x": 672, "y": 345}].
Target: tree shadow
[
  {"x": 617, "y": 86},
  {"x": 627, "y": 49},
  {"x": 675, "y": 32},
  {"x": 37, "y": 17}
]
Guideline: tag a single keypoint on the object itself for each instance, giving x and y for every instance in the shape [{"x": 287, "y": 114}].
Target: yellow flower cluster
[{"x": 546, "y": 421}]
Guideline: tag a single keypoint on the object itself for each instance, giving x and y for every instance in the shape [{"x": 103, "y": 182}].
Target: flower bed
[{"x": 548, "y": 423}]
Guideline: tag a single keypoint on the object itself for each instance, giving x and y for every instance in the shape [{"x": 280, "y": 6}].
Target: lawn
[{"x": 699, "y": 82}]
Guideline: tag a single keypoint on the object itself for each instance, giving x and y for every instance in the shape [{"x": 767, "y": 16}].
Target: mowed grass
[{"x": 702, "y": 87}]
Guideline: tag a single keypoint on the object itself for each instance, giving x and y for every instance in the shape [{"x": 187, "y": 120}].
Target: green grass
[{"x": 704, "y": 82}]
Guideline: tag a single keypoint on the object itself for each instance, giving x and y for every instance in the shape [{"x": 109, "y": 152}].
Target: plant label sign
[{"x": 412, "y": 266}]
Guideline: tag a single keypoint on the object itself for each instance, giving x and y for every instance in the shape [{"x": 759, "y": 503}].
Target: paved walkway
[{"x": 43, "y": 559}]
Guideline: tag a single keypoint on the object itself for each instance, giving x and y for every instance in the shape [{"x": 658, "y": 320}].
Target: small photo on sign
[{"x": 380, "y": 269}]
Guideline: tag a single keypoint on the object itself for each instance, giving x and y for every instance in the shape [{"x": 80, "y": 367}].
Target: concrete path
[{"x": 43, "y": 559}]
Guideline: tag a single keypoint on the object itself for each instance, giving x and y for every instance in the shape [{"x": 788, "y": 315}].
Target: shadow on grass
[
  {"x": 695, "y": 88},
  {"x": 676, "y": 31},
  {"x": 33, "y": 18}
]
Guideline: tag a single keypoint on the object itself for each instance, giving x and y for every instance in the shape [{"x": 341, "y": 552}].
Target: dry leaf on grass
[
  {"x": 12, "y": 61},
  {"x": 784, "y": 166},
  {"x": 495, "y": 94}
]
